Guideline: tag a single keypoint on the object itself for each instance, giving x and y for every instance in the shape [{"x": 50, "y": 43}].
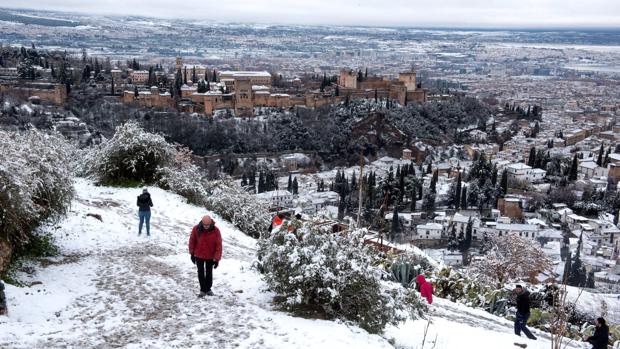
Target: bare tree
[{"x": 511, "y": 257}]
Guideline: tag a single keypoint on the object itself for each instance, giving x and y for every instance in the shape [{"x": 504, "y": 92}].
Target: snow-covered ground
[{"x": 111, "y": 288}]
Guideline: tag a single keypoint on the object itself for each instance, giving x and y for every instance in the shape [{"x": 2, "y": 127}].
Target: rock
[{"x": 95, "y": 215}]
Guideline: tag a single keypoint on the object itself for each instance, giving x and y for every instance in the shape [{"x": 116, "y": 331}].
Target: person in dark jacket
[
  {"x": 3, "y": 309},
  {"x": 205, "y": 248},
  {"x": 523, "y": 312},
  {"x": 144, "y": 211},
  {"x": 600, "y": 338}
]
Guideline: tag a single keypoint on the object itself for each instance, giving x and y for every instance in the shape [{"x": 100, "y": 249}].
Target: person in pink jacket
[{"x": 426, "y": 289}]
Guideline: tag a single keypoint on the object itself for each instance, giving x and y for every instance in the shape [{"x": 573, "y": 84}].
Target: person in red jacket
[
  {"x": 426, "y": 289},
  {"x": 205, "y": 247}
]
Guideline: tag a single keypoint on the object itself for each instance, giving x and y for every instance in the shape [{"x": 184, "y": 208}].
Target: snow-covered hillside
[{"x": 111, "y": 288}]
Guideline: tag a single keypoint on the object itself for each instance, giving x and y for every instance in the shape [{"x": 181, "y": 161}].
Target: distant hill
[{"x": 49, "y": 22}]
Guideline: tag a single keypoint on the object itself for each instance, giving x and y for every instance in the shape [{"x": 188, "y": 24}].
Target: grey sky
[{"x": 450, "y": 13}]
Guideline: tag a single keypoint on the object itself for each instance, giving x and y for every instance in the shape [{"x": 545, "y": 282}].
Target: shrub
[
  {"x": 132, "y": 155},
  {"x": 183, "y": 177},
  {"x": 335, "y": 273},
  {"x": 35, "y": 182},
  {"x": 236, "y": 205}
]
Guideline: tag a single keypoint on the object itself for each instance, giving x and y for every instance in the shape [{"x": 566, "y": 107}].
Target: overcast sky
[{"x": 414, "y": 13}]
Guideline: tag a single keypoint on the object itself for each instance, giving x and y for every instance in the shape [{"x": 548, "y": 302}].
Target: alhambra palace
[
  {"x": 242, "y": 91},
  {"x": 238, "y": 91}
]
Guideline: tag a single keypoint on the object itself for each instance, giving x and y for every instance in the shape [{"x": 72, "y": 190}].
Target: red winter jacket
[
  {"x": 206, "y": 246},
  {"x": 426, "y": 289}
]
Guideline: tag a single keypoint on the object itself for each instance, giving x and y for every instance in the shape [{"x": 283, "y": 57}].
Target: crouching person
[{"x": 205, "y": 248}]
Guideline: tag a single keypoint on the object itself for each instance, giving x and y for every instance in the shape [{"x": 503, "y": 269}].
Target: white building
[
  {"x": 522, "y": 172},
  {"x": 576, "y": 222},
  {"x": 278, "y": 198},
  {"x": 429, "y": 231},
  {"x": 529, "y": 231},
  {"x": 587, "y": 168},
  {"x": 319, "y": 200}
]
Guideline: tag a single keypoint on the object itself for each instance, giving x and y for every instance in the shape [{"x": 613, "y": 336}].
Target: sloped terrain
[{"x": 110, "y": 288}]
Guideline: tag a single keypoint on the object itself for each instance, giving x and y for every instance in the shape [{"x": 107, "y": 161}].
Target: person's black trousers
[{"x": 205, "y": 274}]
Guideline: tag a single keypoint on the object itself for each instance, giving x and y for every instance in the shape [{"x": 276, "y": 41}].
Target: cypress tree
[
  {"x": 464, "y": 199},
  {"x": 261, "y": 182},
  {"x": 469, "y": 233},
  {"x": 567, "y": 268},
  {"x": 295, "y": 186},
  {"x": 572, "y": 174},
  {"x": 590, "y": 280},
  {"x": 395, "y": 230},
  {"x": 457, "y": 194},
  {"x": 434, "y": 179},
  {"x": 504, "y": 183},
  {"x": 428, "y": 202},
  {"x": 599, "y": 160},
  {"x": 289, "y": 186},
  {"x": 532, "y": 159}
]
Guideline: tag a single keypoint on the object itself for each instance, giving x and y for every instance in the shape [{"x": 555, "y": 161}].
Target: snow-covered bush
[
  {"x": 183, "y": 177},
  {"x": 132, "y": 155},
  {"x": 334, "y": 273},
  {"x": 35, "y": 182},
  {"x": 236, "y": 205}
]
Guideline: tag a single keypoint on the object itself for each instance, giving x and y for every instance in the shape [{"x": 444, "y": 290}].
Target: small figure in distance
[
  {"x": 205, "y": 248},
  {"x": 600, "y": 338},
  {"x": 144, "y": 211}
]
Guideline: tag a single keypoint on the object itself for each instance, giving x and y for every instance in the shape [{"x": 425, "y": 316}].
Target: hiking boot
[
  {"x": 210, "y": 293},
  {"x": 202, "y": 294}
]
